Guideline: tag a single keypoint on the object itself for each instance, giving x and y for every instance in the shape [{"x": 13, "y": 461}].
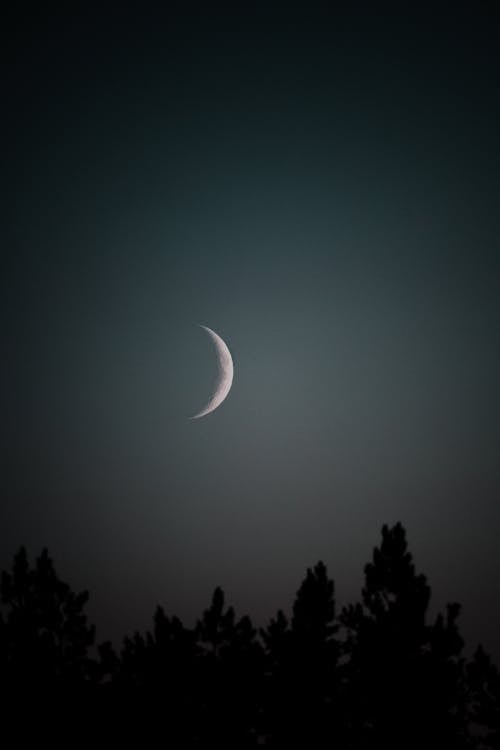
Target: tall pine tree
[
  {"x": 405, "y": 677},
  {"x": 44, "y": 634}
]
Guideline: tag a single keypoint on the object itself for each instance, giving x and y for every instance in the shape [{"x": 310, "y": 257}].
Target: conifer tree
[
  {"x": 44, "y": 632},
  {"x": 302, "y": 690},
  {"x": 230, "y": 670},
  {"x": 405, "y": 677}
]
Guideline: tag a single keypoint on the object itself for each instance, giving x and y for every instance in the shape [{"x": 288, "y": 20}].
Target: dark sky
[{"x": 323, "y": 191}]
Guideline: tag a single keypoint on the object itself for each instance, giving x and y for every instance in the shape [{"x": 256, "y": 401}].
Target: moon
[{"x": 225, "y": 373}]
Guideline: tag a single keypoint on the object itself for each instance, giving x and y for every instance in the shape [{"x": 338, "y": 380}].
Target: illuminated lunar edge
[{"x": 225, "y": 374}]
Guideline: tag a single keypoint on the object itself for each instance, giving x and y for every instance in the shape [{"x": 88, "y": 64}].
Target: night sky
[{"x": 323, "y": 191}]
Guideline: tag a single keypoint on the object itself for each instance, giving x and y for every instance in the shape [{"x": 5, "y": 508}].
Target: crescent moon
[{"x": 225, "y": 373}]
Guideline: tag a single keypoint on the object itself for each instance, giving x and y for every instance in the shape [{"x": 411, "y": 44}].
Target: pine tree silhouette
[
  {"x": 387, "y": 677},
  {"x": 230, "y": 675},
  {"x": 302, "y": 659},
  {"x": 44, "y": 633},
  {"x": 484, "y": 696},
  {"x": 405, "y": 678},
  {"x": 153, "y": 682}
]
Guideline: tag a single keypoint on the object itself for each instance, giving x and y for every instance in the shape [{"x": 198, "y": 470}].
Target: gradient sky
[{"x": 323, "y": 191}]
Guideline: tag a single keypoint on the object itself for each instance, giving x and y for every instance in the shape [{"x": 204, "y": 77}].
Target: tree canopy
[{"x": 379, "y": 673}]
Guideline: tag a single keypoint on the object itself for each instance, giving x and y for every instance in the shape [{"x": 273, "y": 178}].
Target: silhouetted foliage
[
  {"x": 230, "y": 676},
  {"x": 379, "y": 675},
  {"x": 44, "y": 634},
  {"x": 302, "y": 658},
  {"x": 484, "y": 686},
  {"x": 405, "y": 677}
]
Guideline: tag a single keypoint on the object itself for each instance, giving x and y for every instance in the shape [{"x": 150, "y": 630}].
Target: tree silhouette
[
  {"x": 405, "y": 678},
  {"x": 302, "y": 660},
  {"x": 44, "y": 634},
  {"x": 216, "y": 626},
  {"x": 230, "y": 675},
  {"x": 153, "y": 681},
  {"x": 484, "y": 693},
  {"x": 380, "y": 675}
]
